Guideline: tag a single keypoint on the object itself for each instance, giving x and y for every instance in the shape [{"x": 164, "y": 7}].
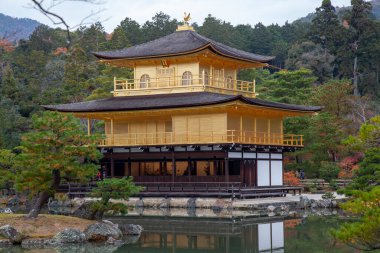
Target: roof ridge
[
  {"x": 227, "y": 47},
  {"x": 134, "y": 46}
]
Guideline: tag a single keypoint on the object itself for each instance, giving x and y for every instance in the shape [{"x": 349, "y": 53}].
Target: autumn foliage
[
  {"x": 6, "y": 45},
  {"x": 349, "y": 164},
  {"x": 291, "y": 179}
]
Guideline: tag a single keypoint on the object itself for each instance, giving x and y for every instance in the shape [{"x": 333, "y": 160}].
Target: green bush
[
  {"x": 328, "y": 171},
  {"x": 328, "y": 195}
]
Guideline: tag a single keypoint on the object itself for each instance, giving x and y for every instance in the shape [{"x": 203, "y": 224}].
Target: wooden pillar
[
  {"x": 226, "y": 169},
  {"x": 215, "y": 172},
  {"x": 112, "y": 133},
  {"x": 112, "y": 167},
  {"x": 129, "y": 167},
  {"x": 282, "y": 132},
  {"x": 173, "y": 167},
  {"x": 242, "y": 171},
  {"x": 268, "y": 139},
  {"x": 188, "y": 168},
  {"x": 88, "y": 126},
  {"x": 161, "y": 167},
  {"x": 165, "y": 168},
  {"x": 211, "y": 79},
  {"x": 241, "y": 128},
  {"x": 235, "y": 80},
  {"x": 255, "y": 129},
  {"x": 270, "y": 168},
  {"x": 203, "y": 77}
]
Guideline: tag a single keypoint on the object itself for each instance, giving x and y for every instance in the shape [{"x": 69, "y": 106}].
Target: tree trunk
[
  {"x": 355, "y": 78},
  {"x": 43, "y": 197}
]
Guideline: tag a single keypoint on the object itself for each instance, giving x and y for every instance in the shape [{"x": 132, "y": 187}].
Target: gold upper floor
[
  {"x": 202, "y": 71},
  {"x": 222, "y": 124}
]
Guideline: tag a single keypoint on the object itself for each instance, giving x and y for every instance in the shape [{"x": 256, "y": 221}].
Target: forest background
[{"x": 330, "y": 58}]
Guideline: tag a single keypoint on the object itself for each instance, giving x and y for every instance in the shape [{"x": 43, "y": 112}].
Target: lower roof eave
[{"x": 231, "y": 144}]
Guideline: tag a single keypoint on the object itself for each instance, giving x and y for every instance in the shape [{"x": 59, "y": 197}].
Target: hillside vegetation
[{"x": 14, "y": 29}]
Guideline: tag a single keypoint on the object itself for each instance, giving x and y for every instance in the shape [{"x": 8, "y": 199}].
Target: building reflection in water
[{"x": 207, "y": 235}]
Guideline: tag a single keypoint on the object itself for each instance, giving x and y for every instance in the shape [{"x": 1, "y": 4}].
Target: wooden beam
[{"x": 112, "y": 133}]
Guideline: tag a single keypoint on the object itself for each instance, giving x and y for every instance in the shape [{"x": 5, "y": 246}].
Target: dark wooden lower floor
[
  {"x": 230, "y": 171},
  {"x": 192, "y": 189},
  {"x": 251, "y": 169},
  {"x": 213, "y": 189}
]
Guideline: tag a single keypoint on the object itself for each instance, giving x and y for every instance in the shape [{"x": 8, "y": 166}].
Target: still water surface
[
  {"x": 276, "y": 235},
  {"x": 221, "y": 235}
]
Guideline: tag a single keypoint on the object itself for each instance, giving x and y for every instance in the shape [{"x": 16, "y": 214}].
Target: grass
[{"x": 44, "y": 226}]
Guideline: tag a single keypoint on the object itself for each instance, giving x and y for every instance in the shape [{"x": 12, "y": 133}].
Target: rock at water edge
[
  {"x": 70, "y": 235},
  {"x": 130, "y": 229},
  {"x": 11, "y": 233},
  {"x": 100, "y": 232}
]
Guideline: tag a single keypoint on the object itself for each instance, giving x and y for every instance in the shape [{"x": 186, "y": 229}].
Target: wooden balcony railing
[
  {"x": 180, "y": 83},
  {"x": 207, "y": 137}
]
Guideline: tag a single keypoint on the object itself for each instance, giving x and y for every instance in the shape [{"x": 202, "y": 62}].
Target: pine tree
[
  {"x": 325, "y": 27},
  {"x": 113, "y": 188},
  {"x": 119, "y": 39},
  {"x": 9, "y": 87},
  {"x": 368, "y": 140},
  {"x": 56, "y": 148}
]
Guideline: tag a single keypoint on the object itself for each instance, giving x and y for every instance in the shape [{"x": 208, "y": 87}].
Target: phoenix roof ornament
[{"x": 186, "y": 18}]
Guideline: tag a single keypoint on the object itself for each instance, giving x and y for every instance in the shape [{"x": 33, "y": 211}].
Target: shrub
[
  {"x": 328, "y": 171},
  {"x": 328, "y": 195},
  {"x": 113, "y": 188},
  {"x": 291, "y": 179}
]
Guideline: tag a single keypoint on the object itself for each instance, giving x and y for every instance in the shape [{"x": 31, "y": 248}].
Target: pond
[{"x": 224, "y": 234}]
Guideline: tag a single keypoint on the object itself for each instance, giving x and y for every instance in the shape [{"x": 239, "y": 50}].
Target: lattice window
[
  {"x": 205, "y": 78},
  {"x": 144, "y": 81},
  {"x": 165, "y": 72},
  {"x": 187, "y": 78},
  {"x": 229, "y": 82}
]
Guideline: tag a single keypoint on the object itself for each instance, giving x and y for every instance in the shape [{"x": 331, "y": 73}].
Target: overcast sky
[{"x": 233, "y": 11}]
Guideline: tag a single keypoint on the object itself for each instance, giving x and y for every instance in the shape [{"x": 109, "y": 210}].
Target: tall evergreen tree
[
  {"x": 119, "y": 39},
  {"x": 160, "y": 26},
  {"x": 325, "y": 28},
  {"x": 78, "y": 70},
  {"x": 133, "y": 31},
  {"x": 59, "y": 148},
  {"x": 359, "y": 37}
]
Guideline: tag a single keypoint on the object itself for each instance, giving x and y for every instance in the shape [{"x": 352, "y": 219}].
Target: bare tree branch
[{"x": 57, "y": 19}]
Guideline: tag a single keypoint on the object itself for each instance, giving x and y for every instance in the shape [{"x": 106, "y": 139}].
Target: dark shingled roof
[
  {"x": 163, "y": 101},
  {"x": 179, "y": 43}
]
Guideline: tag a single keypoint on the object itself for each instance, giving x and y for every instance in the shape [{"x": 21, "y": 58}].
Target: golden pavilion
[{"x": 185, "y": 125}]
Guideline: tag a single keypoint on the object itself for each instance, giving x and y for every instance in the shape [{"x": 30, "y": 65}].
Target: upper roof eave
[
  {"x": 172, "y": 101},
  {"x": 180, "y": 43}
]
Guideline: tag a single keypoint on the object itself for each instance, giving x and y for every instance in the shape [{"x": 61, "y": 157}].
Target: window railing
[
  {"x": 177, "y": 82},
  {"x": 207, "y": 137}
]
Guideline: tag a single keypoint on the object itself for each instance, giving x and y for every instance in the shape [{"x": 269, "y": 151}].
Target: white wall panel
[
  {"x": 276, "y": 173},
  {"x": 262, "y": 173},
  {"x": 276, "y": 156},
  {"x": 263, "y": 155},
  {"x": 249, "y": 155},
  {"x": 234, "y": 154}
]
